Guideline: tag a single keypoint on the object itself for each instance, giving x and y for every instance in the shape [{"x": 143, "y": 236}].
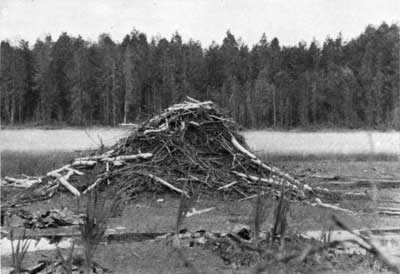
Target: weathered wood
[
  {"x": 20, "y": 183},
  {"x": 194, "y": 212},
  {"x": 133, "y": 157},
  {"x": 164, "y": 127},
  {"x": 228, "y": 185},
  {"x": 264, "y": 180},
  {"x": 74, "y": 171},
  {"x": 70, "y": 187},
  {"x": 319, "y": 203},
  {"x": 92, "y": 186},
  {"x": 87, "y": 163},
  {"x": 128, "y": 125},
  {"x": 274, "y": 170},
  {"x": 165, "y": 183},
  {"x": 109, "y": 158},
  {"x": 55, "y": 173}
]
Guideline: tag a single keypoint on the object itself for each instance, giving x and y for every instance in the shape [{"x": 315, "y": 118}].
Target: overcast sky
[{"x": 204, "y": 20}]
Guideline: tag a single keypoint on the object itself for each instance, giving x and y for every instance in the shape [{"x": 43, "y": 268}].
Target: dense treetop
[{"x": 353, "y": 84}]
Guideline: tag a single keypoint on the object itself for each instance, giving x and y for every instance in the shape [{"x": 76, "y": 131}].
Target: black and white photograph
[{"x": 200, "y": 136}]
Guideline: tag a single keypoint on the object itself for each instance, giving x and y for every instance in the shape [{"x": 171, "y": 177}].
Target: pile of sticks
[{"x": 191, "y": 146}]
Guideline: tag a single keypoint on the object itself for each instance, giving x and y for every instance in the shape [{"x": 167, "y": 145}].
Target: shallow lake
[{"x": 274, "y": 142}]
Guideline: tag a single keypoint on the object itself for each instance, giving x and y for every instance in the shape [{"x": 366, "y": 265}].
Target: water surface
[{"x": 274, "y": 142}]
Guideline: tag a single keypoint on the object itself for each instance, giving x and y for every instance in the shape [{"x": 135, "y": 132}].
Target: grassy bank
[{"x": 15, "y": 163}]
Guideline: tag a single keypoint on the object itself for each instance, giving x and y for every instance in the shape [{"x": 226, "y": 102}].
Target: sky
[{"x": 202, "y": 20}]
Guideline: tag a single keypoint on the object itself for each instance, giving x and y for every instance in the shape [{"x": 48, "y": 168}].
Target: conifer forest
[{"x": 331, "y": 83}]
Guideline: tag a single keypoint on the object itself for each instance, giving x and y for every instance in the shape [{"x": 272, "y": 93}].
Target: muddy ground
[{"x": 148, "y": 214}]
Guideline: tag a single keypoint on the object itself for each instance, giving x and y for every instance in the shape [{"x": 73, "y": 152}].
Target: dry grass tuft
[
  {"x": 98, "y": 211},
  {"x": 18, "y": 252}
]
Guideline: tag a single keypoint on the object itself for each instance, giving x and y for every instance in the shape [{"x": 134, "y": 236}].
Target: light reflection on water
[{"x": 261, "y": 140}]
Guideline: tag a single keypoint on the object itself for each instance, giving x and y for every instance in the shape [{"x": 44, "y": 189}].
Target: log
[
  {"x": 241, "y": 148},
  {"x": 74, "y": 171},
  {"x": 107, "y": 158},
  {"x": 274, "y": 170},
  {"x": 319, "y": 203},
  {"x": 21, "y": 183},
  {"x": 88, "y": 163},
  {"x": 133, "y": 157},
  {"x": 128, "y": 125},
  {"x": 89, "y": 188},
  {"x": 194, "y": 212},
  {"x": 164, "y": 127},
  {"x": 264, "y": 180},
  {"x": 3, "y": 182},
  {"x": 55, "y": 173},
  {"x": 194, "y": 123},
  {"x": 91, "y": 158},
  {"x": 189, "y": 106},
  {"x": 282, "y": 174},
  {"x": 228, "y": 185},
  {"x": 68, "y": 175},
  {"x": 165, "y": 183},
  {"x": 70, "y": 187},
  {"x": 117, "y": 163}
]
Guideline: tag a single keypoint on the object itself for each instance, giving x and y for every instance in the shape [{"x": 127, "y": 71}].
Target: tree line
[{"x": 349, "y": 84}]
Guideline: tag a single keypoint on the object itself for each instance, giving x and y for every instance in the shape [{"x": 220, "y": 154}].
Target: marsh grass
[
  {"x": 260, "y": 213},
  {"x": 281, "y": 216},
  {"x": 185, "y": 204},
  {"x": 18, "y": 251},
  {"x": 15, "y": 163},
  {"x": 100, "y": 207}
]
